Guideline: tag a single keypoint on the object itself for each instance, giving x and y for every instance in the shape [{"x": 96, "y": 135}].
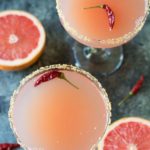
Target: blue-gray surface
[{"x": 137, "y": 62}]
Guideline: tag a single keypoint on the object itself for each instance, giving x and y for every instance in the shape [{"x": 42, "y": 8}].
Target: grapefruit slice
[
  {"x": 127, "y": 134},
  {"x": 22, "y": 39}
]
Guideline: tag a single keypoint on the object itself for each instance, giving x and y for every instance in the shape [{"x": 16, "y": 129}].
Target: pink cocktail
[
  {"x": 70, "y": 114},
  {"x": 89, "y": 24}
]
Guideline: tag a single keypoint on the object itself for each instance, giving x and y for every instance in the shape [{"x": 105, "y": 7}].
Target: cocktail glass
[
  {"x": 91, "y": 27},
  {"x": 58, "y": 114}
]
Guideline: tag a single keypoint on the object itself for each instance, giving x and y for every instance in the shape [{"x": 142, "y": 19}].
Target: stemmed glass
[
  {"x": 89, "y": 22},
  {"x": 67, "y": 109}
]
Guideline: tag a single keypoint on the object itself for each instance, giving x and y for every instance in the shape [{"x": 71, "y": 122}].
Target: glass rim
[
  {"x": 61, "y": 67},
  {"x": 110, "y": 41}
]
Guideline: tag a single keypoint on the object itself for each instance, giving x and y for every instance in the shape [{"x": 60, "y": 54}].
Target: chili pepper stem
[
  {"x": 125, "y": 99},
  {"x": 98, "y": 6},
  {"x": 62, "y": 76}
]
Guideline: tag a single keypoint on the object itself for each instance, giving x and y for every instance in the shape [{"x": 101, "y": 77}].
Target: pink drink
[
  {"x": 57, "y": 116},
  {"x": 91, "y": 27}
]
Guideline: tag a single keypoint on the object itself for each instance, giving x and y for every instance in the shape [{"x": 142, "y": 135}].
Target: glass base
[{"x": 98, "y": 61}]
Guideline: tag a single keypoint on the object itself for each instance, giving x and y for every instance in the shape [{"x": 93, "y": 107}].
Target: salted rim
[
  {"x": 118, "y": 123},
  {"x": 41, "y": 42},
  {"x": 63, "y": 67},
  {"x": 116, "y": 41}
]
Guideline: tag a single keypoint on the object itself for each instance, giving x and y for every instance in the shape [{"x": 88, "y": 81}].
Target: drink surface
[
  {"x": 91, "y": 26},
  {"x": 55, "y": 115}
]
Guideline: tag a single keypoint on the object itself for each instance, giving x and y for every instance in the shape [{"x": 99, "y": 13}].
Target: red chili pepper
[
  {"x": 110, "y": 14},
  {"x": 52, "y": 75},
  {"x": 134, "y": 90},
  {"x": 8, "y": 146},
  {"x": 137, "y": 86},
  {"x": 47, "y": 76}
]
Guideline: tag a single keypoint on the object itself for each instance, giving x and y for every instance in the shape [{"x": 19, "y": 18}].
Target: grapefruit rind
[
  {"x": 35, "y": 54},
  {"x": 119, "y": 122}
]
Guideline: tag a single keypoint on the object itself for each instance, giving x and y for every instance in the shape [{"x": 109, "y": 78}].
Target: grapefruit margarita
[
  {"x": 59, "y": 107},
  {"x": 102, "y": 24},
  {"x": 91, "y": 27}
]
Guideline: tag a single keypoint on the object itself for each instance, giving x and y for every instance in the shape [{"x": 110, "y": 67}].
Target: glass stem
[{"x": 93, "y": 50}]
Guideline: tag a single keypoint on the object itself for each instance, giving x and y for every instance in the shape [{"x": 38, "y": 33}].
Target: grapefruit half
[
  {"x": 22, "y": 39},
  {"x": 127, "y": 134}
]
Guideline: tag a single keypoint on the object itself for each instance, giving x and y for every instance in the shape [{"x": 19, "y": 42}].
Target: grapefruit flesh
[
  {"x": 127, "y": 134},
  {"x": 22, "y": 39}
]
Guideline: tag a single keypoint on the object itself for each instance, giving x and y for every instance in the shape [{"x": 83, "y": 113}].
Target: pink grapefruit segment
[
  {"x": 127, "y": 134},
  {"x": 22, "y": 39}
]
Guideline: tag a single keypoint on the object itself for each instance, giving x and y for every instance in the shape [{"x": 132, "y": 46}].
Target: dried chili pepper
[
  {"x": 134, "y": 90},
  {"x": 137, "y": 86},
  {"x": 110, "y": 13},
  {"x": 111, "y": 16},
  {"x": 47, "y": 76},
  {"x": 9, "y": 146},
  {"x": 52, "y": 75}
]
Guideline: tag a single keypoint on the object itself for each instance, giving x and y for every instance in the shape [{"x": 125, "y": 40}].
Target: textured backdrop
[{"x": 58, "y": 50}]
